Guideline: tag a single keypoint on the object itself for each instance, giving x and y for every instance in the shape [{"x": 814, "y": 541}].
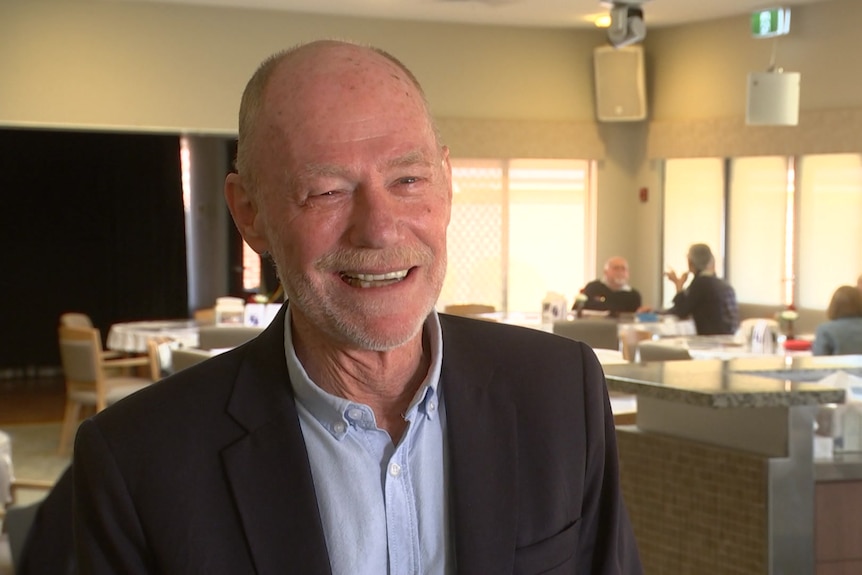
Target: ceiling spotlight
[{"x": 627, "y": 23}]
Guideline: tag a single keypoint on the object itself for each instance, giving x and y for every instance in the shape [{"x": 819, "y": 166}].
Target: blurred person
[
  {"x": 612, "y": 292},
  {"x": 708, "y": 300},
  {"x": 361, "y": 432},
  {"x": 842, "y": 334}
]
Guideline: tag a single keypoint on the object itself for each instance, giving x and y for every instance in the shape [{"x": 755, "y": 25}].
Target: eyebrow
[{"x": 412, "y": 158}]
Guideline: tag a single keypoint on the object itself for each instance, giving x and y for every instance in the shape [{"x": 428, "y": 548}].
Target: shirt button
[
  {"x": 354, "y": 413},
  {"x": 394, "y": 469},
  {"x": 339, "y": 427},
  {"x": 431, "y": 406}
]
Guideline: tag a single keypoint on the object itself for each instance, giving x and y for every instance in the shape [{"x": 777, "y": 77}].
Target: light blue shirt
[{"x": 383, "y": 507}]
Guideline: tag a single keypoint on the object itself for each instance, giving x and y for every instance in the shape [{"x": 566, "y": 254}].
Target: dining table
[
  {"x": 726, "y": 347},
  {"x": 132, "y": 337}
]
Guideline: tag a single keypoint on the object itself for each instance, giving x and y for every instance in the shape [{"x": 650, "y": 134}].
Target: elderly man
[
  {"x": 709, "y": 300},
  {"x": 361, "y": 433},
  {"x": 612, "y": 293}
]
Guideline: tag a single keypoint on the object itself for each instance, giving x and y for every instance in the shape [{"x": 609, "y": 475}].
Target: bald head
[{"x": 299, "y": 86}]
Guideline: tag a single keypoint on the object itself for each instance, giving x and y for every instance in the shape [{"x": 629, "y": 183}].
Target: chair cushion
[{"x": 121, "y": 387}]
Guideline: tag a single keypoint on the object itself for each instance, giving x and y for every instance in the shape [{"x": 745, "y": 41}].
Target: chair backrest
[
  {"x": 630, "y": 336},
  {"x": 468, "y": 309},
  {"x": 658, "y": 351},
  {"x": 75, "y": 319},
  {"x": 225, "y": 336},
  {"x": 80, "y": 356},
  {"x": 205, "y": 316},
  {"x": 158, "y": 354},
  {"x": 183, "y": 357},
  {"x": 595, "y": 332}
]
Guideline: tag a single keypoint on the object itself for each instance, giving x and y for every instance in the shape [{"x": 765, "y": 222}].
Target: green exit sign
[{"x": 769, "y": 23}]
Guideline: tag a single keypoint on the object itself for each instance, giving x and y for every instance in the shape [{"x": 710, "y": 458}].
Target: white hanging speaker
[
  {"x": 620, "y": 83},
  {"x": 773, "y": 99}
]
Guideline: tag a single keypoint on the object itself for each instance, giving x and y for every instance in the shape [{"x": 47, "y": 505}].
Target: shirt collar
[{"x": 335, "y": 413}]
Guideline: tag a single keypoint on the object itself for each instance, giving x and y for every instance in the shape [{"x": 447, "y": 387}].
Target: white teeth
[
  {"x": 374, "y": 280},
  {"x": 380, "y": 277}
]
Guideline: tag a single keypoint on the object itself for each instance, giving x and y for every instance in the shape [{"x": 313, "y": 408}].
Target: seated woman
[{"x": 842, "y": 334}]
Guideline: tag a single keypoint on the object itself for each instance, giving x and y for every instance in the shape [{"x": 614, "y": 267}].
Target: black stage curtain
[{"x": 90, "y": 222}]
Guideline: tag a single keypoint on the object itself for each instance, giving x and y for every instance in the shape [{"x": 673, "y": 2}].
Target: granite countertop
[{"x": 769, "y": 381}]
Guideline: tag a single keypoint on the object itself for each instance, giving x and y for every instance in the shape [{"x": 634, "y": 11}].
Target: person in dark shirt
[
  {"x": 708, "y": 300},
  {"x": 611, "y": 293}
]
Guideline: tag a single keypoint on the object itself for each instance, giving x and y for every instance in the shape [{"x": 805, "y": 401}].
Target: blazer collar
[{"x": 268, "y": 468}]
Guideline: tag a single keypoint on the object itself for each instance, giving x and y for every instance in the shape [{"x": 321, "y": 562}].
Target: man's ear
[{"x": 243, "y": 208}]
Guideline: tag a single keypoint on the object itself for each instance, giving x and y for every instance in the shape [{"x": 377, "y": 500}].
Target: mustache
[{"x": 394, "y": 258}]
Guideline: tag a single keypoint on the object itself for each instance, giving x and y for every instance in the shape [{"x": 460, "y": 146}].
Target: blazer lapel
[
  {"x": 268, "y": 469},
  {"x": 482, "y": 439}
]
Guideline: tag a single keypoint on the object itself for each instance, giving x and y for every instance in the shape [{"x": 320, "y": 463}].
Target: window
[
  {"x": 792, "y": 223},
  {"x": 519, "y": 229},
  {"x": 693, "y": 213},
  {"x": 829, "y": 239},
  {"x": 760, "y": 246}
]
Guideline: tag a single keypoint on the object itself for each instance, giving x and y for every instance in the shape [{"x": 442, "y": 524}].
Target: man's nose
[{"x": 375, "y": 217}]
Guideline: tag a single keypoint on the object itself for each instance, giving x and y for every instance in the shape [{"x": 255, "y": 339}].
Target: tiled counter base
[
  {"x": 695, "y": 508},
  {"x": 718, "y": 473}
]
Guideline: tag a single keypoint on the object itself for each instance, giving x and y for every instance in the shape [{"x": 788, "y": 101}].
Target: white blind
[
  {"x": 693, "y": 213},
  {"x": 830, "y": 237},
  {"x": 757, "y": 229}
]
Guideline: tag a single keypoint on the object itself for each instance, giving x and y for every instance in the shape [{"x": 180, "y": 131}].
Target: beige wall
[
  {"x": 496, "y": 91},
  {"x": 125, "y": 65}
]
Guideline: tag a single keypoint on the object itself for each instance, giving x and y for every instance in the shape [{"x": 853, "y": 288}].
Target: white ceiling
[{"x": 538, "y": 13}]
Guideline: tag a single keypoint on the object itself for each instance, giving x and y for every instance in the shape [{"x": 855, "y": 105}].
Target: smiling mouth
[{"x": 360, "y": 280}]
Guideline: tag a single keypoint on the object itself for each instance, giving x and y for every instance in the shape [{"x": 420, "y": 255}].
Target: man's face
[
  {"x": 354, "y": 200},
  {"x": 617, "y": 273}
]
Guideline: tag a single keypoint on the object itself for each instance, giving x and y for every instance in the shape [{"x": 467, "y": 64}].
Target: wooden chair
[
  {"x": 93, "y": 382},
  {"x": 17, "y": 517},
  {"x": 205, "y": 316},
  {"x": 657, "y": 351},
  {"x": 183, "y": 357},
  {"x": 468, "y": 309},
  {"x": 78, "y": 319},
  {"x": 75, "y": 319},
  {"x": 595, "y": 332},
  {"x": 225, "y": 336}
]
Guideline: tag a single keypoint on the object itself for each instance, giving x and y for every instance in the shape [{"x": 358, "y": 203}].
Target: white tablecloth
[
  {"x": 721, "y": 347},
  {"x": 132, "y": 337}
]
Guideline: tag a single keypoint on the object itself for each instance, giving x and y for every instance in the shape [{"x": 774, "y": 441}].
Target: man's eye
[{"x": 321, "y": 193}]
